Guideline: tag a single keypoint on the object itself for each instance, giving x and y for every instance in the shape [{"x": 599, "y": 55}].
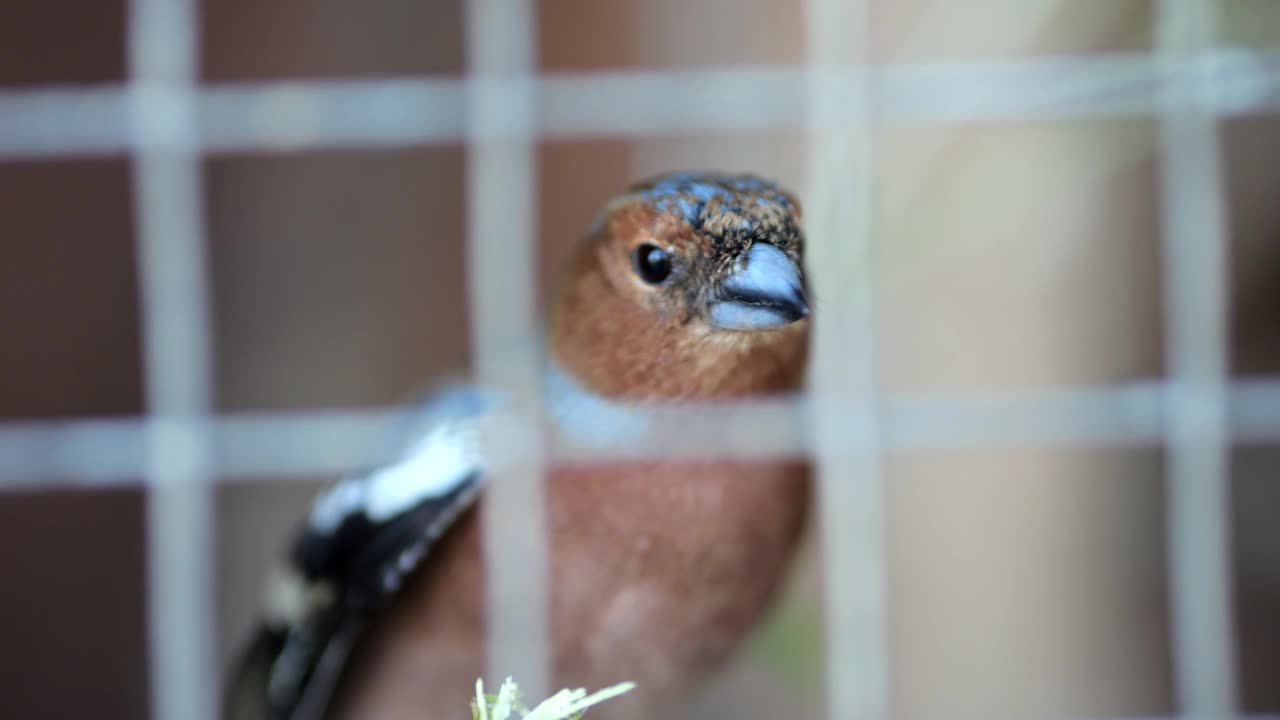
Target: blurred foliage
[
  {"x": 564, "y": 705},
  {"x": 790, "y": 643}
]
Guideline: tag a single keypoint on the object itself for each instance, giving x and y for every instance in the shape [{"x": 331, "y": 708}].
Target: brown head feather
[{"x": 624, "y": 337}]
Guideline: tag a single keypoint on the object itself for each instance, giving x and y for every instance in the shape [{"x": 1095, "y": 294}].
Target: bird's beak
[{"x": 765, "y": 291}]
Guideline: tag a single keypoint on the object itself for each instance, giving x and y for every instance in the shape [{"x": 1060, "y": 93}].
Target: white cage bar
[
  {"x": 171, "y": 251},
  {"x": 277, "y": 116},
  {"x": 849, "y": 476},
  {"x": 501, "y": 273},
  {"x": 1195, "y": 272},
  {"x": 283, "y": 446}
]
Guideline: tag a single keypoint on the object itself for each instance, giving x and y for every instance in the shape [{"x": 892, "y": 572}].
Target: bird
[{"x": 687, "y": 287}]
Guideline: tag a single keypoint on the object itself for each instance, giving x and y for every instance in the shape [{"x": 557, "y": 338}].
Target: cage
[{"x": 1042, "y": 406}]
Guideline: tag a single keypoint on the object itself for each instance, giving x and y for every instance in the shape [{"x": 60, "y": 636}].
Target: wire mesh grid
[{"x": 166, "y": 120}]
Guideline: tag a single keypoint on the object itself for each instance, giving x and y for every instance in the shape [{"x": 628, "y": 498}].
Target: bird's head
[{"x": 687, "y": 285}]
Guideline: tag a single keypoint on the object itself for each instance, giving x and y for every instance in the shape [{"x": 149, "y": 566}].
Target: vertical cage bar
[
  {"x": 502, "y": 263},
  {"x": 1195, "y": 260},
  {"x": 174, "y": 305},
  {"x": 843, "y": 392}
]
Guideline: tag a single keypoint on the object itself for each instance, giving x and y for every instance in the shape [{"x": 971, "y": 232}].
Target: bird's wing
[{"x": 363, "y": 537}]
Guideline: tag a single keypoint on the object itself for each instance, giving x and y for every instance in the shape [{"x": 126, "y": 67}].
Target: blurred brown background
[{"x": 1024, "y": 583}]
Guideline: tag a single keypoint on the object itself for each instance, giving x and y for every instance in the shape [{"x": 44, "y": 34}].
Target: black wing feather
[{"x": 292, "y": 671}]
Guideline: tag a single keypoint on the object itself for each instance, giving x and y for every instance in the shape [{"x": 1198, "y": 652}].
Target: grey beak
[{"x": 766, "y": 291}]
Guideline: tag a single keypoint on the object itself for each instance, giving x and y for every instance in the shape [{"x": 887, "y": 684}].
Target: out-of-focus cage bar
[
  {"x": 849, "y": 476},
  {"x": 291, "y": 116},
  {"x": 502, "y": 263},
  {"x": 299, "y": 446},
  {"x": 1195, "y": 272},
  {"x": 171, "y": 250}
]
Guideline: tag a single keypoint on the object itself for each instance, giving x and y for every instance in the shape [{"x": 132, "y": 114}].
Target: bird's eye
[{"x": 652, "y": 263}]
